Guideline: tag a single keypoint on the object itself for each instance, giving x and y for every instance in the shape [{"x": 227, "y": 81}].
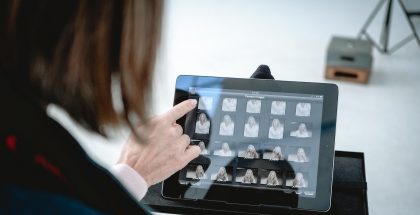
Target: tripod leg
[
  {"x": 410, "y": 22},
  {"x": 386, "y": 28},
  {"x": 371, "y": 17}
]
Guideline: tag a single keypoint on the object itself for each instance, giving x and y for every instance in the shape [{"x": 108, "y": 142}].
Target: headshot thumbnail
[
  {"x": 303, "y": 109},
  {"x": 276, "y": 129},
  {"x": 302, "y": 131},
  {"x": 246, "y": 175},
  {"x": 224, "y": 151},
  {"x": 271, "y": 178},
  {"x": 196, "y": 172},
  {"x": 229, "y": 104},
  {"x": 222, "y": 174},
  {"x": 253, "y": 106},
  {"x": 278, "y": 108},
  {"x": 251, "y": 127},
  {"x": 249, "y": 153},
  {"x": 227, "y": 126},
  {"x": 202, "y": 126}
]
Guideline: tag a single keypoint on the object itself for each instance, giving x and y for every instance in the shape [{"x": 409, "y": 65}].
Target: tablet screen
[
  {"x": 263, "y": 142},
  {"x": 255, "y": 138}
]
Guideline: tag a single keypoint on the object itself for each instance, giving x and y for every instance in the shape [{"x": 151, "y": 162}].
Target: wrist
[
  {"x": 131, "y": 179},
  {"x": 134, "y": 165}
]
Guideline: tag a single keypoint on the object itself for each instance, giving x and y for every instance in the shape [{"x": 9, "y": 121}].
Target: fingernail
[{"x": 193, "y": 102}]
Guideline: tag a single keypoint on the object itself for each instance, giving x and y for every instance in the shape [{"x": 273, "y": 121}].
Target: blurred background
[{"x": 232, "y": 37}]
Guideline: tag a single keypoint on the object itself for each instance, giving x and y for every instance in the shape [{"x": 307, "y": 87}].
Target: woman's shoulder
[{"x": 40, "y": 154}]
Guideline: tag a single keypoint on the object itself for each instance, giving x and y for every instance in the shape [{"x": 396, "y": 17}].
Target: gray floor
[{"x": 231, "y": 38}]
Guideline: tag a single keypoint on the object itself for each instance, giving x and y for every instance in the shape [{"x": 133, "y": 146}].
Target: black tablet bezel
[{"x": 172, "y": 189}]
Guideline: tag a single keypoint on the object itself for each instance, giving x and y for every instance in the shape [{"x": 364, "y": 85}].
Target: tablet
[{"x": 264, "y": 143}]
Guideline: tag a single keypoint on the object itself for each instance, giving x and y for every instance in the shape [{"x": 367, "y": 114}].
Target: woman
[
  {"x": 303, "y": 109},
  {"x": 203, "y": 148},
  {"x": 253, "y": 106},
  {"x": 202, "y": 126},
  {"x": 278, "y": 107},
  {"x": 251, "y": 153},
  {"x": 222, "y": 175},
  {"x": 272, "y": 179},
  {"x": 226, "y": 126},
  {"x": 251, "y": 127},
  {"x": 66, "y": 53},
  {"x": 276, "y": 130},
  {"x": 299, "y": 181},
  {"x": 249, "y": 177},
  {"x": 224, "y": 151},
  {"x": 301, "y": 155},
  {"x": 229, "y": 104},
  {"x": 277, "y": 154},
  {"x": 301, "y": 132},
  {"x": 199, "y": 172}
]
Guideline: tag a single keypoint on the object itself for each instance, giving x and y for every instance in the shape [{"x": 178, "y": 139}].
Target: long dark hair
[{"x": 67, "y": 51}]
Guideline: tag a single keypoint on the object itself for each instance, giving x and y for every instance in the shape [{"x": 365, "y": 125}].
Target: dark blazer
[{"x": 41, "y": 161}]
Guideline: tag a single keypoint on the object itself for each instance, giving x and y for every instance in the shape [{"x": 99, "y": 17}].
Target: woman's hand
[{"x": 164, "y": 150}]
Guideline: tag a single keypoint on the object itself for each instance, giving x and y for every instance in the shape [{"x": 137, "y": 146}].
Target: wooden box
[{"x": 349, "y": 60}]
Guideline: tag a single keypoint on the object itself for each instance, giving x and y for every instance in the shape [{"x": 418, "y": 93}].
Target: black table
[{"x": 349, "y": 194}]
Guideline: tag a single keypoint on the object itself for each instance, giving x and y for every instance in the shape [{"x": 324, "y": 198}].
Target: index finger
[{"x": 181, "y": 109}]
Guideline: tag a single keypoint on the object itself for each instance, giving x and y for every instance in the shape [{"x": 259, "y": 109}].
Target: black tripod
[{"x": 383, "y": 45}]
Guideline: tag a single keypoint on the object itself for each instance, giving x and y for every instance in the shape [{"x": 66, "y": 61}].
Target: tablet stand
[{"x": 349, "y": 194}]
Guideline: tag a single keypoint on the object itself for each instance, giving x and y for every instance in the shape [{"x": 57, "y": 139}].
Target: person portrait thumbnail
[
  {"x": 251, "y": 127},
  {"x": 229, "y": 104},
  {"x": 253, "y": 106},
  {"x": 202, "y": 126},
  {"x": 227, "y": 126}
]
